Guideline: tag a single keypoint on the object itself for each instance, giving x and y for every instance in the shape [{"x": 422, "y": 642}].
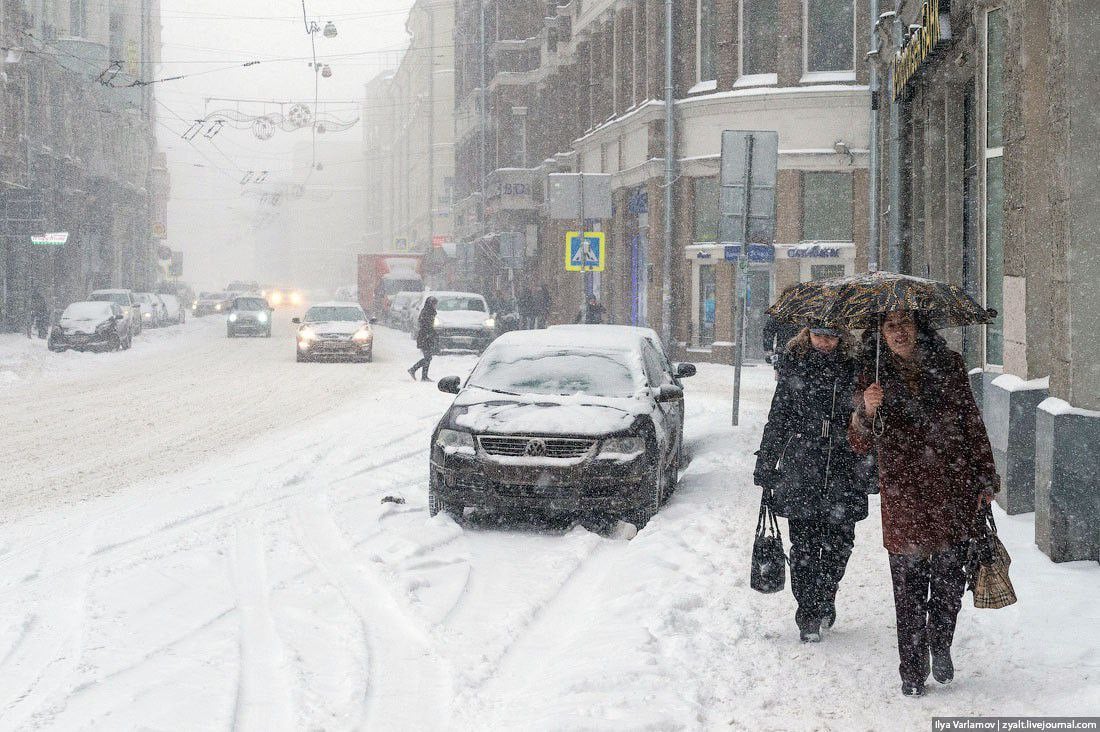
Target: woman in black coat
[
  {"x": 426, "y": 339},
  {"x": 808, "y": 470}
]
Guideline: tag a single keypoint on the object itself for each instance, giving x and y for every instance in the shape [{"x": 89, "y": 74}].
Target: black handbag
[{"x": 769, "y": 563}]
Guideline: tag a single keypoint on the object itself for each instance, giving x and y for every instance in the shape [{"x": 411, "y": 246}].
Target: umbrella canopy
[{"x": 860, "y": 301}]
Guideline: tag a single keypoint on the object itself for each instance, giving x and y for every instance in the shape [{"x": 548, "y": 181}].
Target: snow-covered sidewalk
[{"x": 270, "y": 587}]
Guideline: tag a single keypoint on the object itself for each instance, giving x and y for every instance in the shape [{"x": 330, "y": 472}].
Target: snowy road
[{"x": 204, "y": 545}]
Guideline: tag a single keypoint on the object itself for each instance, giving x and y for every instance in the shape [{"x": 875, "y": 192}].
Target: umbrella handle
[{"x": 878, "y": 424}]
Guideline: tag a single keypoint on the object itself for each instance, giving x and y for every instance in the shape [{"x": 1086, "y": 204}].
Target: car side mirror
[
  {"x": 296, "y": 321},
  {"x": 450, "y": 384},
  {"x": 684, "y": 370},
  {"x": 669, "y": 393},
  {"x": 372, "y": 321}
]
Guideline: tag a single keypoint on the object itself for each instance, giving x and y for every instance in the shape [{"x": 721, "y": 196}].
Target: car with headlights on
[
  {"x": 462, "y": 320},
  {"x": 153, "y": 314},
  {"x": 284, "y": 296},
  {"x": 211, "y": 303},
  {"x": 560, "y": 421},
  {"x": 249, "y": 315},
  {"x": 334, "y": 331},
  {"x": 173, "y": 309},
  {"x": 91, "y": 326}
]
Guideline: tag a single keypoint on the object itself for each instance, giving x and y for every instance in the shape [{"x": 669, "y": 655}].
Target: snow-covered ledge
[
  {"x": 1067, "y": 486},
  {"x": 1010, "y": 420}
]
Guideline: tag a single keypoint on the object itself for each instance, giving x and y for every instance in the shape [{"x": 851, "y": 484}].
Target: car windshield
[
  {"x": 460, "y": 303},
  {"x": 119, "y": 298},
  {"x": 215, "y": 296},
  {"x": 86, "y": 311},
  {"x": 558, "y": 371},
  {"x": 328, "y": 313},
  {"x": 250, "y": 303}
]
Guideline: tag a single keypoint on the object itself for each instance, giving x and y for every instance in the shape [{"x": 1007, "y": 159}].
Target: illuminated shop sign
[
  {"x": 925, "y": 38},
  {"x": 814, "y": 251}
]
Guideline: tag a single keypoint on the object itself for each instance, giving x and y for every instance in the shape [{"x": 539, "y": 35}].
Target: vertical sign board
[{"x": 746, "y": 206}]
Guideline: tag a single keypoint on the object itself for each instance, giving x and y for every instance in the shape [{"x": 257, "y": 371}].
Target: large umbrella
[{"x": 863, "y": 300}]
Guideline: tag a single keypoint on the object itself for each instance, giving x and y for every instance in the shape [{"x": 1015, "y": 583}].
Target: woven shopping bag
[{"x": 769, "y": 563}]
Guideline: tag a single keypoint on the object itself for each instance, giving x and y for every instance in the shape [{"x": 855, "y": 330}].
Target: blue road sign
[{"x": 585, "y": 253}]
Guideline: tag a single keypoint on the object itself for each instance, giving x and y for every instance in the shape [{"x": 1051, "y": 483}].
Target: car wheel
[
  {"x": 437, "y": 504},
  {"x": 128, "y": 342},
  {"x": 267, "y": 333},
  {"x": 114, "y": 343},
  {"x": 370, "y": 355},
  {"x": 653, "y": 497},
  {"x": 300, "y": 357}
]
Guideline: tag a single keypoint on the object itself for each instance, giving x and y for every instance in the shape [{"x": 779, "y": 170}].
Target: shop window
[
  {"x": 706, "y": 39},
  {"x": 705, "y": 200},
  {"x": 826, "y": 271},
  {"x": 829, "y": 37},
  {"x": 826, "y": 207},
  {"x": 708, "y": 290},
  {"x": 759, "y": 41}
]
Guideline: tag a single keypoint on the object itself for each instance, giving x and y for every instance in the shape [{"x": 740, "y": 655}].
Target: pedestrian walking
[
  {"x": 426, "y": 339},
  {"x": 593, "y": 314},
  {"x": 40, "y": 313},
  {"x": 936, "y": 473},
  {"x": 525, "y": 304},
  {"x": 807, "y": 469},
  {"x": 542, "y": 307}
]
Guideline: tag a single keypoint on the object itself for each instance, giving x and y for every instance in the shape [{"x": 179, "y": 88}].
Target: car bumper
[
  {"x": 337, "y": 349},
  {"x": 250, "y": 328},
  {"x": 594, "y": 485},
  {"x": 466, "y": 340},
  {"x": 81, "y": 341}
]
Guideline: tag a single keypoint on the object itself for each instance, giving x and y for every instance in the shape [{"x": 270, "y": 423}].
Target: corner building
[{"x": 566, "y": 87}]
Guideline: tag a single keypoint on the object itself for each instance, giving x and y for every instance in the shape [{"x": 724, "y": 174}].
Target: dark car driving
[
  {"x": 248, "y": 315},
  {"x": 561, "y": 421},
  {"x": 91, "y": 326}
]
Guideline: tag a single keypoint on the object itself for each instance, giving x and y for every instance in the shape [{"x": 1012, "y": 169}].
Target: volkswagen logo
[{"x": 535, "y": 448}]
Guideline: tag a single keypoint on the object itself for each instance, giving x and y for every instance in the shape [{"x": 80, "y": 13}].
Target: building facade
[
  {"x": 77, "y": 151},
  {"x": 580, "y": 86},
  {"x": 408, "y": 139},
  {"x": 991, "y": 164}
]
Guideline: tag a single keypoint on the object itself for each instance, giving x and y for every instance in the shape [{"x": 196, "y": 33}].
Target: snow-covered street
[{"x": 195, "y": 535}]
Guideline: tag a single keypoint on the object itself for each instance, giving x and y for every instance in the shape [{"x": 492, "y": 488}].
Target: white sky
[{"x": 208, "y": 217}]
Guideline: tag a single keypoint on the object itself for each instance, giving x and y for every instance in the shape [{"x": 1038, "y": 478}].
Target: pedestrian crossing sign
[{"x": 585, "y": 252}]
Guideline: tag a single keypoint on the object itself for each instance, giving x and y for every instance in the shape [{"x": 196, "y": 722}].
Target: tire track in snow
[
  {"x": 48, "y": 650},
  {"x": 264, "y": 700},
  {"x": 407, "y": 686}
]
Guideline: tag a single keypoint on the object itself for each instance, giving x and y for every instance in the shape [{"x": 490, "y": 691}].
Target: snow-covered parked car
[
  {"x": 91, "y": 326},
  {"x": 562, "y": 420},
  {"x": 462, "y": 320},
  {"x": 248, "y": 315},
  {"x": 174, "y": 310},
  {"x": 125, "y": 299},
  {"x": 334, "y": 330}
]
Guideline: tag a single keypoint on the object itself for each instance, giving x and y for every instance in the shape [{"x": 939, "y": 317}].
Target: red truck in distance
[{"x": 381, "y": 276}]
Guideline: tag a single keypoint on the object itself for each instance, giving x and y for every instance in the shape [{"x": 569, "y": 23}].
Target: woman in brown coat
[{"x": 936, "y": 470}]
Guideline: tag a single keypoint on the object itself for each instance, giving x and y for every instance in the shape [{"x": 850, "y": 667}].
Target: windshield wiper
[{"x": 495, "y": 391}]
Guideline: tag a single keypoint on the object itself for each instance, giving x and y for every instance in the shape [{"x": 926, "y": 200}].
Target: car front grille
[
  {"x": 334, "y": 336},
  {"x": 551, "y": 447},
  {"x": 459, "y": 332}
]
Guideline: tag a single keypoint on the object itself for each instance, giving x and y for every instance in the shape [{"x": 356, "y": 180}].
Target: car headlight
[
  {"x": 363, "y": 335},
  {"x": 276, "y": 298},
  {"x": 622, "y": 447},
  {"x": 295, "y": 298},
  {"x": 455, "y": 441},
  {"x": 262, "y": 317},
  {"x": 195, "y": 304},
  {"x": 305, "y": 334},
  {"x": 232, "y": 317},
  {"x": 436, "y": 323},
  {"x": 146, "y": 315},
  {"x": 218, "y": 306},
  {"x": 490, "y": 323}
]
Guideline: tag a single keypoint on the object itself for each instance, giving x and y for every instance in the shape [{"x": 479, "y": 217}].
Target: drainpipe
[
  {"x": 872, "y": 183},
  {"x": 670, "y": 171},
  {"x": 894, "y": 234}
]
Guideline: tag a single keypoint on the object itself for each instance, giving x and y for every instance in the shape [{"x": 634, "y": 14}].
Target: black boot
[
  {"x": 911, "y": 688},
  {"x": 828, "y": 617},
  {"x": 943, "y": 669},
  {"x": 424, "y": 377},
  {"x": 412, "y": 373}
]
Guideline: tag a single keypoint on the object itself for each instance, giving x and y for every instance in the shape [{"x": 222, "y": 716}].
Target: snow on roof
[
  {"x": 1058, "y": 407},
  {"x": 611, "y": 330},
  {"x": 1011, "y": 382},
  {"x": 615, "y": 338},
  {"x": 335, "y": 304},
  {"x": 110, "y": 292},
  {"x": 449, "y": 293}
]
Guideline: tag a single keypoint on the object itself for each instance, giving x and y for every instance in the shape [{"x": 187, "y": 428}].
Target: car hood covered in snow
[
  {"x": 87, "y": 326},
  {"x": 461, "y": 318},
  {"x": 336, "y": 326},
  {"x": 484, "y": 411}
]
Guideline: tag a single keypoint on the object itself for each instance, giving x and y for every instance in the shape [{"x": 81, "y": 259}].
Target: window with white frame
[
  {"x": 706, "y": 40},
  {"x": 827, "y": 205},
  {"x": 828, "y": 39},
  {"x": 994, "y": 181},
  {"x": 759, "y": 37}
]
